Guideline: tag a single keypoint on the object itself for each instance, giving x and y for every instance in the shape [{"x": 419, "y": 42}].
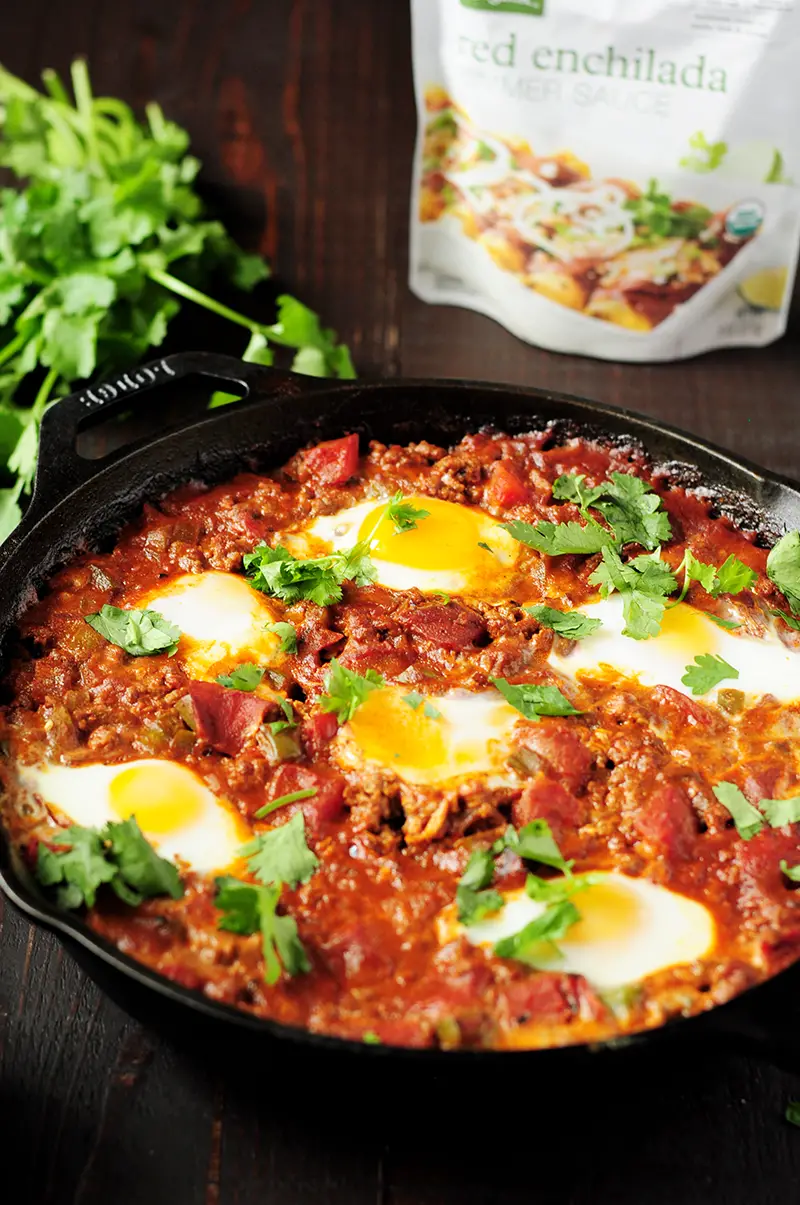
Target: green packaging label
[{"x": 534, "y": 8}]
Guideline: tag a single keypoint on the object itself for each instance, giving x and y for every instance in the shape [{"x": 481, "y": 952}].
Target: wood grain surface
[{"x": 302, "y": 112}]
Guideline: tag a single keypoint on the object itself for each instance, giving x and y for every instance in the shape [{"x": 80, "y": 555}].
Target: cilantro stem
[
  {"x": 176, "y": 285},
  {"x": 40, "y": 401},
  {"x": 54, "y": 86},
  {"x": 83, "y": 102},
  {"x": 191, "y": 294},
  {"x": 11, "y": 349}
]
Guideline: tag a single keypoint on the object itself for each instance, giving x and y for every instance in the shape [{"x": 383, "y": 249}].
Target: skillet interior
[{"x": 264, "y": 431}]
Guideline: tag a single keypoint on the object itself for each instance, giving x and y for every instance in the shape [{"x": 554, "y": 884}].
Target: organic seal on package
[{"x": 611, "y": 178}]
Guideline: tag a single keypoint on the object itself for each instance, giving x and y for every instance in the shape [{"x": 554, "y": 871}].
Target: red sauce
[{"x": 626, "y": 785}]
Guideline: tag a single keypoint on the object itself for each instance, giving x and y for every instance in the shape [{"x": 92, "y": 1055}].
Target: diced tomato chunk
[
  {"x": 762, "y": 782},
  {"x": 760, "y": 859},
  {"x": 356, "y": 953},
  {"x": 321, "y": 808},
  {"x": 226, "y": 719},
  {"x": 538, "y": 997},
  {"x": 449, "y": 626},
  {"x": 560, "y": 745},
  {"x": 544, "y": 799},
  {"x": 317, "y": 730},
  {"x": 667, "y": 822},
  {"x": 384, "y": 657},
  {"x": 333, "y": 462},
  {"x": 505, "y": 487},
  {"x": 684, "y": 710}
]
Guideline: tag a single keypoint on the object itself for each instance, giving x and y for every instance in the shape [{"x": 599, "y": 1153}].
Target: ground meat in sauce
[{"x": 626, "y": 785}]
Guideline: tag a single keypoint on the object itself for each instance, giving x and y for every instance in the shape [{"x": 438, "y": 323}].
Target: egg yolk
[
  {"x": 685, "y": 631},
  {"x": 163, "y": 797},
  {"x": 389, "y": 731},
  {"x": 428, "y": 748},
  {"x": 447, "y": 538},
  {"x": 608, "y": 913}
]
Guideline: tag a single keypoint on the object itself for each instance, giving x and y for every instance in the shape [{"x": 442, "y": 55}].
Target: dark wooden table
[{"x": 302, "y": 112}]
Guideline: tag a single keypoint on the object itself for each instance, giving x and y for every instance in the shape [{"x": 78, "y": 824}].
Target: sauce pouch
[{"x": 615, "y": 178}]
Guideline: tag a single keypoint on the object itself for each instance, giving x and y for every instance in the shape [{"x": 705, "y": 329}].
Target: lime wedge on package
[
  {"x": 764, "y": 290},
  {"x": 757, "y": 161}
]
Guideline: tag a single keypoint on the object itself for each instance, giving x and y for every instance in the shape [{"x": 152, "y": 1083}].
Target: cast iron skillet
[{"x": 79, "y": 502}]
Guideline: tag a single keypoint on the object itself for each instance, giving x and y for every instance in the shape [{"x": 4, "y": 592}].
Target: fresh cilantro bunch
[
  {"x": 79, "y": 861},
  {"x": 99, "y": 248}
]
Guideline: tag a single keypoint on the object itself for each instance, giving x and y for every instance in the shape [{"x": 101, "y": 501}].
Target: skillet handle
[{"x": 61, "y": 470}]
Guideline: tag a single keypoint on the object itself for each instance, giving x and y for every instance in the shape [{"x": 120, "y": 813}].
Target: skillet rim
[{"x": 19, "y": 886}]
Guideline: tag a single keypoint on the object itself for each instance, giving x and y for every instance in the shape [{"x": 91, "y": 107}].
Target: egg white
[
  {"x": 175, "y": 810},
  {"x": 470, "y": 736},
  {"x": 630, "y": 928},
  {"x": 765, "y": 665},
  {"x": 221, "y": 618},
  {"x": 442, "y": 553}
]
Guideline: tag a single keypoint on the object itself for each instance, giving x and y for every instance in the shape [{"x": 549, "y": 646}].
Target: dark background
[{"x": 302, "y": 112}]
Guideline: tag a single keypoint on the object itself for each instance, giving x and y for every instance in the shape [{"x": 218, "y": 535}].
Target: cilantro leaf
[
  {"x": 708, "y": 670},
  {"x": 633, "y": 511},
  {"x": 276, "y": 572},
  {"x": 246, "y": 676},
  {"x": 781, "y": 811},
  {"x": 404, "y": 516},
  {"x": 783, "y": 568},
  {"x": 733, "y": 576},
  {"x": 533, "y": 701},
  {"x": 82, "y": 859},
  {"x": 370, "y": 1038},
  {"x": 346, "y": 690},
  {"x": 748, "y": 819},
  {"x": 571, "y": 487},
  {"x": 357, "y": 565},
  {"x": 248, "y": 908},
  {"x": 473, "y": 902},
  {"x": 535, "y": 943},
  {"x": 572, "y": 625},
  {"x": 791, "y": 872},
  {"x": 729, "y": 625},
  {"x": 791, "y": 621},
  {"x": 558, "y": 539},
  {"x": 535, "y": 842},
  {"x": 281, "y": 855},
  {"x": 139, "y": 865},
  {"x": 697, "y": 571},
  {"x": 643, "y": 583},
  {"x": 77, "y": 866},
  {"x": 288, "y": 636},
  {"x": 139, "y": 633}
]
